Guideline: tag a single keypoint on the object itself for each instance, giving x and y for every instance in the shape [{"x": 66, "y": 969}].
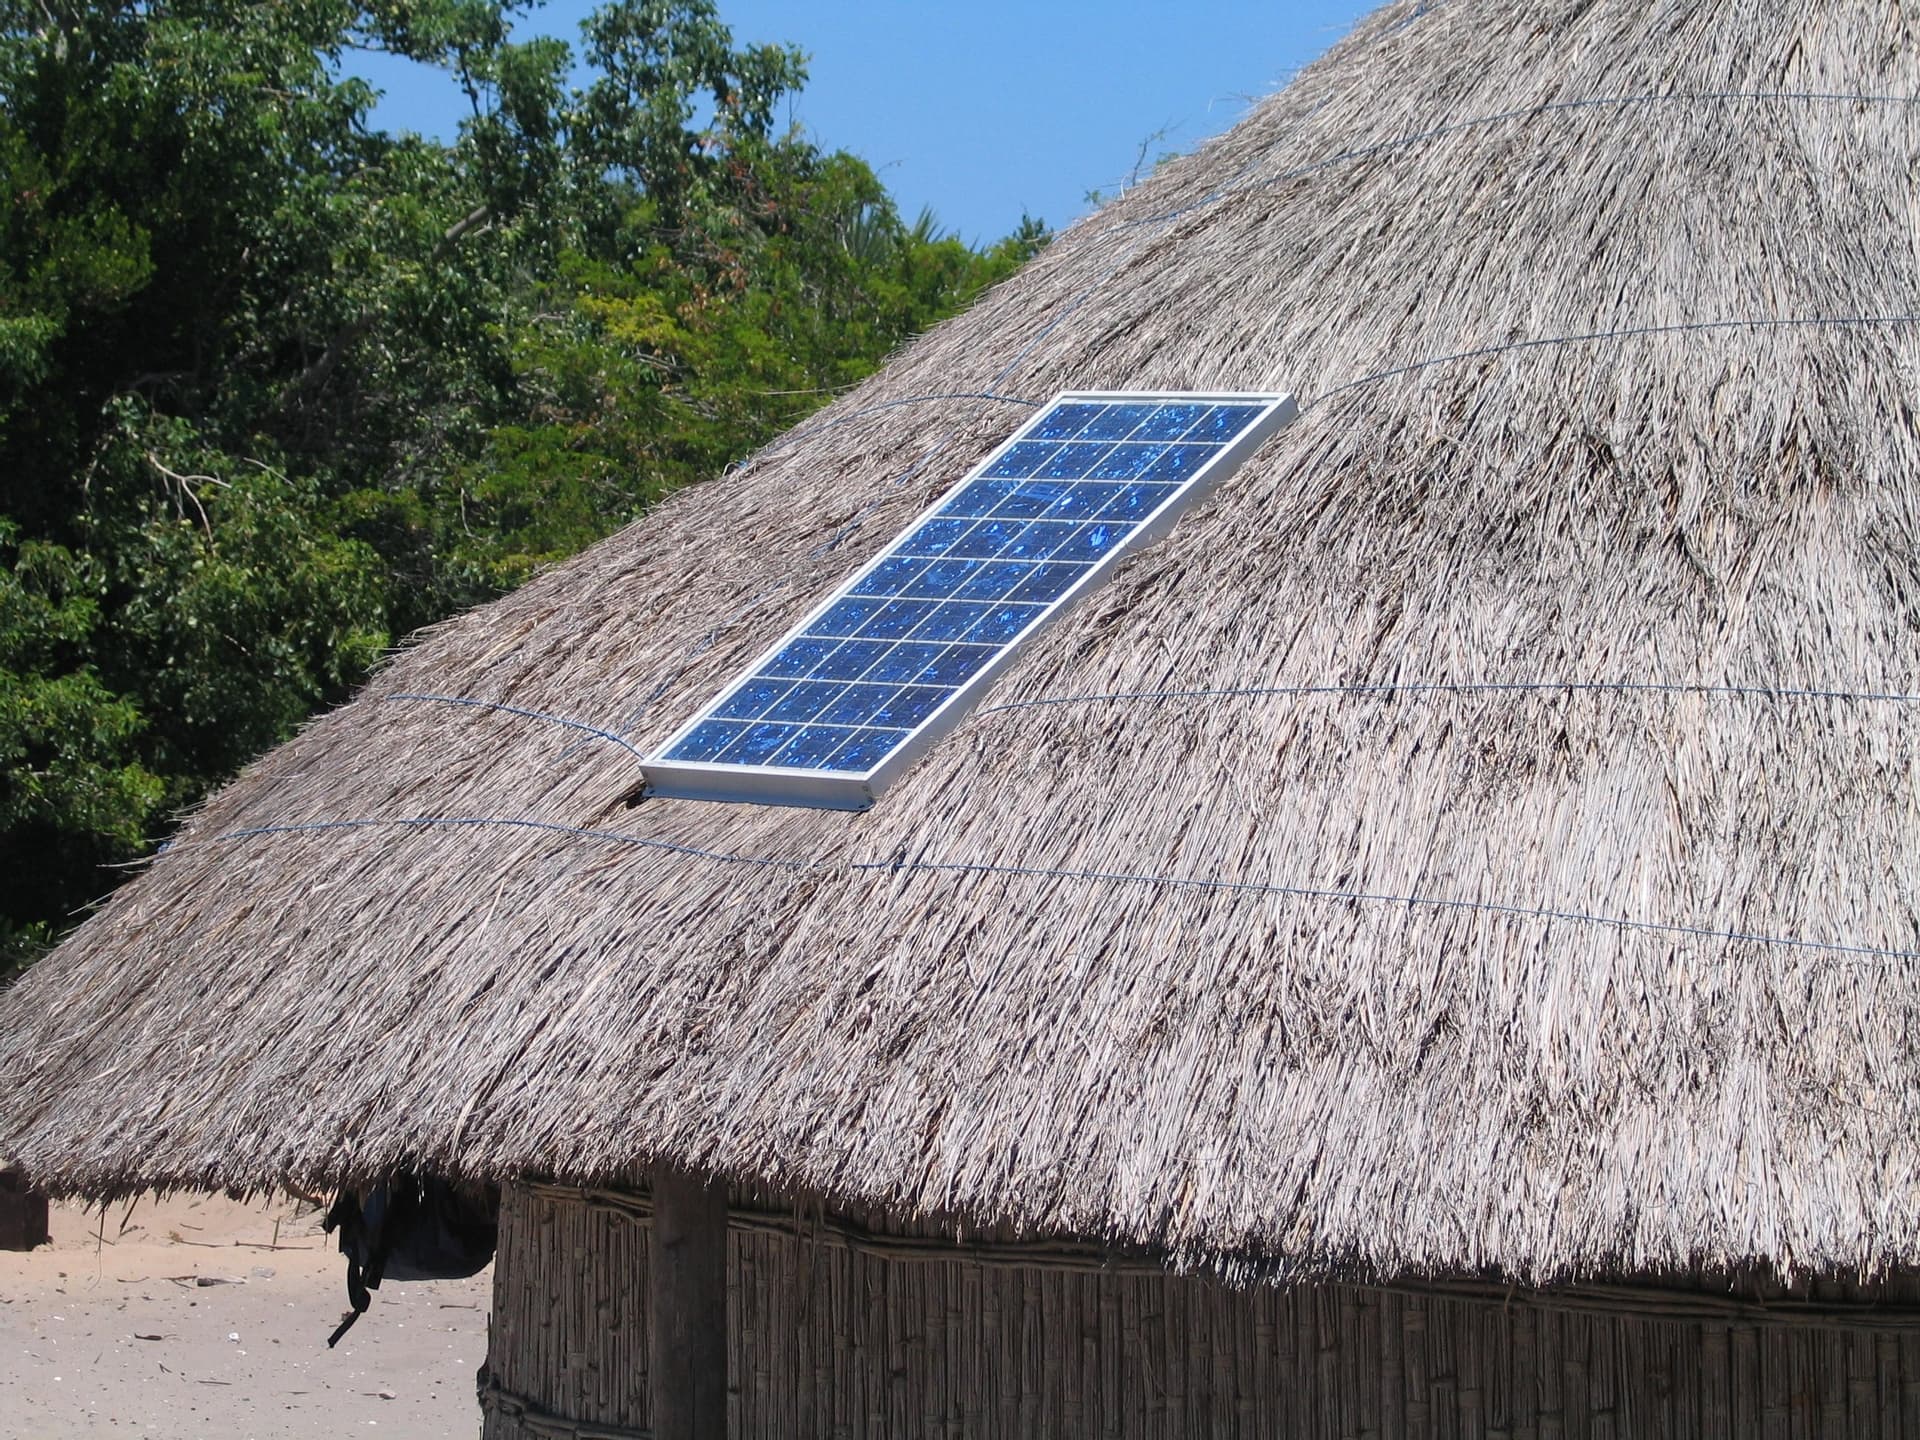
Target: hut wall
[
  {"x": 568, "y": 1337},
  {"x": 833, "y": 1340}
]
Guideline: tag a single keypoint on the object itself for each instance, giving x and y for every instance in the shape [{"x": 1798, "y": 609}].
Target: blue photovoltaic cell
[{"x": 963, "y": 583}]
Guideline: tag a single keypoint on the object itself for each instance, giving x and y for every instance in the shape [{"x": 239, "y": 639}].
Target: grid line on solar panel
[{"x": 860, "y": 676}]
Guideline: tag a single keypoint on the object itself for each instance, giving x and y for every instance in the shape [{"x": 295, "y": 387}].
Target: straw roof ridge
[{"x": 1479, "y": 843}]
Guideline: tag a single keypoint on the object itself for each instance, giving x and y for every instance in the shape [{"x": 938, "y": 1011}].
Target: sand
[{"x": 192, "y": 1319}]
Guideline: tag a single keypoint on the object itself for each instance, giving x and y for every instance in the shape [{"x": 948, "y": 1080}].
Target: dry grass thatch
[{"x": 1428, "y": 860}]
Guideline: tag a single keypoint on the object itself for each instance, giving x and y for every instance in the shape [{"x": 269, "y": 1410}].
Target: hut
[{"x": 1431, "y": 948}]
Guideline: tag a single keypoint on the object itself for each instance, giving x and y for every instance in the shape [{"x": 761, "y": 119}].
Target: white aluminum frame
[{"x": 846, "y": 790}]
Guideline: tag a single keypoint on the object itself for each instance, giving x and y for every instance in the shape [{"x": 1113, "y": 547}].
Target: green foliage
[
  {"x": 276, "y": 388},
  {"x": 72, "y": 795}
]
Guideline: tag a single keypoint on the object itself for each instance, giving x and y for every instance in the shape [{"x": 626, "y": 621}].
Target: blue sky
[{"x": 984, "y": 110}]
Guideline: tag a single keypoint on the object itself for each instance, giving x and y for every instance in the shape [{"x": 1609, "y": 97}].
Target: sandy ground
[{"x": 191, "y": 1318}]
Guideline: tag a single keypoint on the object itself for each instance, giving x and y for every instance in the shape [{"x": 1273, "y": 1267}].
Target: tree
[{"x": 276, "y": 387}]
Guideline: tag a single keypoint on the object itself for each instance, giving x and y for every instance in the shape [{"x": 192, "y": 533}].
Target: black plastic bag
[{"x": 412, "y": 1228}]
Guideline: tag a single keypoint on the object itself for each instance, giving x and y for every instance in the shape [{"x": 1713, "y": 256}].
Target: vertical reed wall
[
  {"x": 568, "y": 1337},
  {"x": 829, "y": 1340}
]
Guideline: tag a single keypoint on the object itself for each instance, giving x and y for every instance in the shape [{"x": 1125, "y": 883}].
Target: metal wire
[
  {"x": 475, "y": 822},
  {"x": 1528, "y": 112},
  {"x": 1628, "y": 332},
  {"x": 1233, "y": 692},
  {"x": 1104, "y": 877},
  {"x": 524, "y": 713},
  {"x": 1430, "y": 902},
  {"x": 1469, "y": 687}
]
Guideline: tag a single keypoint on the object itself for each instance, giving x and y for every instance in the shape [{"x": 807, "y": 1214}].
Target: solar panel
[{"x": 893, "y": 659}]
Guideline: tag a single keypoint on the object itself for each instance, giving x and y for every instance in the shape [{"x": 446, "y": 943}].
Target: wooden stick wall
[{"x": 834, "y": 1340}]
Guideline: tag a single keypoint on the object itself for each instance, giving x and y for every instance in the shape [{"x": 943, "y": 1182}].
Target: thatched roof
[{"x": 1481, "y": 838}]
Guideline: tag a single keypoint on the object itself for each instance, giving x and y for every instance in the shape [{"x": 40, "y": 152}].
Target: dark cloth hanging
[{"x": 413, "y": 1227}]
